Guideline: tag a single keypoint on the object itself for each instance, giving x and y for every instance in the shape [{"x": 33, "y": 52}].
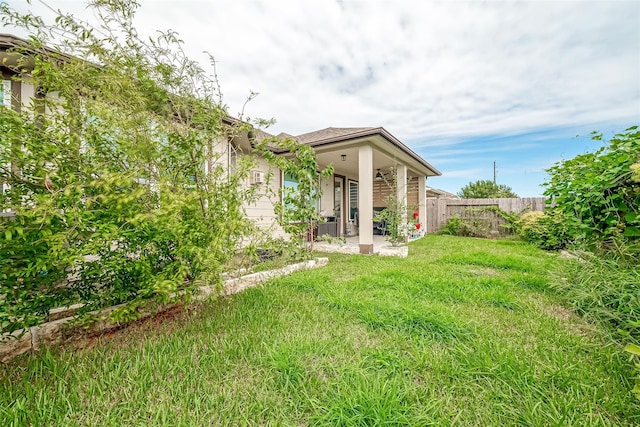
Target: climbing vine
[
  {"x": 115, "y": 181},
  {"x": 296, "y": 207},
  {"x": 598, "y": 194}
]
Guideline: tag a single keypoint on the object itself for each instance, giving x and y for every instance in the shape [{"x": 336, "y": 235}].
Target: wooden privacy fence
[{"x": 441, "y": 210}]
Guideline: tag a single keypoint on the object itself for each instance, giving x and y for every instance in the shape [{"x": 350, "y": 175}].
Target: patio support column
[
  {"x": 365, "y": 199},
  {"x": 401, "y": 188},
  {"x": 422, "y": 203}
]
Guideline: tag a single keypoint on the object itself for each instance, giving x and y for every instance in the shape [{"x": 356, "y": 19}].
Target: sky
[{"x": 463, "y": 83}]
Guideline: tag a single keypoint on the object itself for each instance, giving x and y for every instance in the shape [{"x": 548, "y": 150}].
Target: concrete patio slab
[{"x": 351, "y": 247}]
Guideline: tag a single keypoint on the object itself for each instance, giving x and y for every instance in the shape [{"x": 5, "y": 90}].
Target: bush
[
  {"x": 110, "y": 201},
  {"x": 118, "y": 185},
  {"x": 598, "y": 195},
  {"x": 545, "y": 230},
  {"x": 456, "y": 227},
  {"x": 394, "y": 217}
]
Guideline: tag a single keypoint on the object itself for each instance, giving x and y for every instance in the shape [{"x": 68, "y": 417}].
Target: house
[
  {"x": 365, "y": 160},
  {"x": 437, "y": 193},
  {"x": 13, "y": 94}
]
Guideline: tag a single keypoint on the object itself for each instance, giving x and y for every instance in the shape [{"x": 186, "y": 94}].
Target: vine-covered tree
[
  {"x": 297, "y": 213},
  {"x": 115, "y": 175},
  {"x": 485, "y": 189},
  {"x": 598, "y": 194}
]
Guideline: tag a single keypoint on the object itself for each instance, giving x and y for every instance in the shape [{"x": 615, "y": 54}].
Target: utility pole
[{"x": 494, "y": 171}]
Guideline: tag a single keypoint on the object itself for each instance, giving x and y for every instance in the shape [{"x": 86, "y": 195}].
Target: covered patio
[{"x": 367, "y": 163}]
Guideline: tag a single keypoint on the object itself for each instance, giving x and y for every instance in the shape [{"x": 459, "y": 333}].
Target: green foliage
[
  {"x": 456, "y": 227},
  {"x": 264, "y": 252},
  {"x": 597, "y": 197},
  {"x": 486, "y": 189},
  {"x": 528, "y": 222},
  {"x": 635, "y": 172},
  {"x": 604, "y": 290},
  {"x": 297, "y": 213},
  {"x": 598, "y": 194},
  {"x": 481, "y": 222},
  {"x": 635, "y": 351},
  {"x": 331, "y": 239},
  {"x": 395, "y": 217},
  {"x": 107, "y": 184},
  {"x": 545, "y": 230}
]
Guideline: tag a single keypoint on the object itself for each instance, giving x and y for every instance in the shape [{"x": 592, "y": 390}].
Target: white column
[
  {"x": 365, "y": 198},
  {"x": 422, "y": 203},
  {"x": 401, "y": 188}
]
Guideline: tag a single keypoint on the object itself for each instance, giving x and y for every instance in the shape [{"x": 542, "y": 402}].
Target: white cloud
[{"x": 434, "y": 72}]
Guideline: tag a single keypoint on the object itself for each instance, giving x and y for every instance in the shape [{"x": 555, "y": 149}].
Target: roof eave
[{"x": 372, "y": 132}]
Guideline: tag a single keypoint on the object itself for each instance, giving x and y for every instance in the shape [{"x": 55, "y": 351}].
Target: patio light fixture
[
  {"x": 343, "y": 157},
  {"x": 379, "y": 176}
]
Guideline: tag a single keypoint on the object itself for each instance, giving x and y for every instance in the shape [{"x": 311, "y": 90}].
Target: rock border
[
  {"x": 58, "y": 328},
  {"x": 350, "y": 249},
  {"x": 397, "y": 251}
]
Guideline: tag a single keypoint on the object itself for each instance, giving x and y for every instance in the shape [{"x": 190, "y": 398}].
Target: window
[
  {"x": 353, "y": 201},
  {"x": 290, "y": 181},
  {"x": 290, "y": 187},
  {"x": 5, "y": 93}
]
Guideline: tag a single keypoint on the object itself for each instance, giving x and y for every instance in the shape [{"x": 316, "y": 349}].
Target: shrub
[
  {"x": 598, "y": 195},
  {"x": 394, "y": 216},
  {"x": 481, "y": 222},
  {"x": 456, "y": 227},
  {"x": 110, "y": 200},
  {"x": 117, "y": 185},
  {"x": 545, "y": 230}
]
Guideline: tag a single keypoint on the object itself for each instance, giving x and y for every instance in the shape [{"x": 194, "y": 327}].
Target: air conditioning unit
[{"x": 258, "y": 177}]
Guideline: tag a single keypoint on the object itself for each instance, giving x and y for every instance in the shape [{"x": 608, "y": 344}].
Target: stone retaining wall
[
  {"x": 397, "y": 251},
  {"x": 59, "y": 327},
  {"x": 339, "y": 248}
]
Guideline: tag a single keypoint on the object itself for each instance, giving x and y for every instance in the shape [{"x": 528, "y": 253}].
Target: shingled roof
[
  {"x": 330, "y": 133},
  {"x": 337, "y": 135}
]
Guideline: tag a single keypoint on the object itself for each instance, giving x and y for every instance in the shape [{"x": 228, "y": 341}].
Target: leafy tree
[
  {"x": 485, "y": 189},
  {"x": 117, "y": 181},
  {"x": 297, "y": 214},
  {"x": 598, "y": 193}
]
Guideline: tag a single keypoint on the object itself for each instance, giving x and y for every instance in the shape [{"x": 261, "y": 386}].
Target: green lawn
[{"x": 463, "y": 332}]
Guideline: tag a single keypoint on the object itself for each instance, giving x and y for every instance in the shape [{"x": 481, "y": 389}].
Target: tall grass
[
  {"x": 462, "y": 332},
  {"x": 606, "y": 290}
]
